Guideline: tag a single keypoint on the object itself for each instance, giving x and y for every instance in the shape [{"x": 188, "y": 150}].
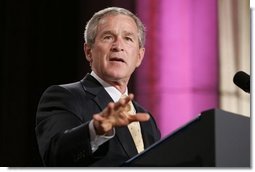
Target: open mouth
[{"x": 116, "y": 59}]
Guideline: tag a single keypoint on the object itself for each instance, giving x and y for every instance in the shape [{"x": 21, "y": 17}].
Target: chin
[{"x": 116, "y": 76}]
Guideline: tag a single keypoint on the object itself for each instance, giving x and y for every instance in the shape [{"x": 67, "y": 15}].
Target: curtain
[
  {"x": 234, "y": 48},
  {"x": 179, "y": 76}
]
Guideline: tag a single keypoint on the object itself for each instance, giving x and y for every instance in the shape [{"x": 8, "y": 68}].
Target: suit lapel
[
  {"x": 146, "y": 132},
  {"x": 125, "y": 138},
  {"x": 102, "y": 98}
]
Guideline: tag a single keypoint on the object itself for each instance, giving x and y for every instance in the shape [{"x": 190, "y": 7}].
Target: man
[{"x": 88, "y": 123}]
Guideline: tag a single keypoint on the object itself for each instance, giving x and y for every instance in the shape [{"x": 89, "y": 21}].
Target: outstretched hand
[{"x": 116, "y": 115}]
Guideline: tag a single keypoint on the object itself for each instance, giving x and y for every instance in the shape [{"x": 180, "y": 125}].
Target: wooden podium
[{"x": 214, "y": 139}]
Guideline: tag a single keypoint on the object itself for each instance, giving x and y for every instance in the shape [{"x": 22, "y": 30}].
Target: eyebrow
[
  {"x": 129, "y": 33},
  {"x": 112, "y": 33},
  {"x": 107, "y": 32}
]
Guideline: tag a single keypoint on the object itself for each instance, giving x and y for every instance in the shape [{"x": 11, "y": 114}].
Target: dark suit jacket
[{"x": 62, "y": 129}]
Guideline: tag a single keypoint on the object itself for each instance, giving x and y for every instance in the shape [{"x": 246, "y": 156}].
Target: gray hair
[{"x": 91, "y": 27}]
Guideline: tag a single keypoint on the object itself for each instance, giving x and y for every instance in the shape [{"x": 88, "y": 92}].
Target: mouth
[{"x": 117, "y": 59}]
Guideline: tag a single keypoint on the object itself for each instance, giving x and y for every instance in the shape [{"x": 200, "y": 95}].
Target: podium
[{"x": 214, "y": 139}]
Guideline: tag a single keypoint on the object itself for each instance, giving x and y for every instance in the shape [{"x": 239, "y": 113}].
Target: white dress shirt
[{"x": 97, "y": 140}]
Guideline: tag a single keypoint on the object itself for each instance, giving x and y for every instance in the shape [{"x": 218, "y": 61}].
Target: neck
[{"x": 119, "y": 85}]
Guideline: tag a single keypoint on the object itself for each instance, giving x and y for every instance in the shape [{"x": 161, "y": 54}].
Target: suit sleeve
[{"x": 62, "y": 134}]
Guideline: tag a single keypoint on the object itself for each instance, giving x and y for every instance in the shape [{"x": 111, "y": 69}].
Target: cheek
[{"x": 98, "y": 54}]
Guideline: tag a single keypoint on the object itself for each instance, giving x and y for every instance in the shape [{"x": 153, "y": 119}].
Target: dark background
[{"x": 41, "y": 45}]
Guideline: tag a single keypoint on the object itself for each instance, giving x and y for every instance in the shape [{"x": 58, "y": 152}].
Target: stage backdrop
[
  {"x": 193, "y": 50},
  {"x": 179, "y": 76}
]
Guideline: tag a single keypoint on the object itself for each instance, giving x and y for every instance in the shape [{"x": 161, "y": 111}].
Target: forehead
[{"x": 117, "y": 22}]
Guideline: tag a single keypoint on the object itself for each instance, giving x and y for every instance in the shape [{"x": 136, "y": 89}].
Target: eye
[
  {"x": 107, "y": 37},
  {"x": 129, "y": 38}
]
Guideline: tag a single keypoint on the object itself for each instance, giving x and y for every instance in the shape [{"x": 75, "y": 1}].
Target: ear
[
  {"x": 140, "y": 56},
  {"x": 87, "y": 51}
]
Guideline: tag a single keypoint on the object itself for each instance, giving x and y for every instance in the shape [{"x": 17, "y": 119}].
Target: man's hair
[{"x": 91, "y": 27}]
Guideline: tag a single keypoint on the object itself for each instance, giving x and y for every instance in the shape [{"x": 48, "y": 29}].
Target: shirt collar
[{"x": 112, "y": 91}]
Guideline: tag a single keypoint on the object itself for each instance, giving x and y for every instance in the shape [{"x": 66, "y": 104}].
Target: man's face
[{"x": 115, "y": 53}]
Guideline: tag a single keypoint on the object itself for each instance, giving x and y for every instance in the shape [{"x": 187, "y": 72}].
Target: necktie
[{"x": 135, "y": 129}]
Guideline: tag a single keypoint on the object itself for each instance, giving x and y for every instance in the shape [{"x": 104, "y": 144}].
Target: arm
[
  {"x": 63, "y": 128},
  {"x": 62, "y": 133}
]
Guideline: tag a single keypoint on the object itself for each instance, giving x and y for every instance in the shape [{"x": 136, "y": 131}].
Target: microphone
[{"x": 242, "y": 80}]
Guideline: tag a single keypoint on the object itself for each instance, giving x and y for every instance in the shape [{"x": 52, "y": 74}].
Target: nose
[{"x": 117, "y": 45}]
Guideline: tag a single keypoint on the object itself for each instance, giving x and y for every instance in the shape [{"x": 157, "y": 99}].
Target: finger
[
  {"x": 125, "y": 100},
  {"x": 120, "y": 104},
  {"x": 121, "y": 120},
  {"x": 131, "y": 96},
  {"x": 123, "y": 104},
  {"x": 141, "y": 117},
  {"x": 101, "y": 125},
  {"x": 109, "y": 109},
  {"x": 98, "y": 117}
]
